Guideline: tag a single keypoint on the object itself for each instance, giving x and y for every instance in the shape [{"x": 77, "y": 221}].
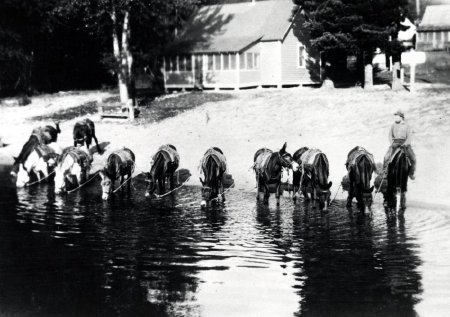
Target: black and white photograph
[{"x": 209, "y": 158}]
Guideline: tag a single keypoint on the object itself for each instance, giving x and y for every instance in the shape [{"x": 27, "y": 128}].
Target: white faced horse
[
  {"x": 74, "y": 167},
  {"x": 41, "y": 162}
]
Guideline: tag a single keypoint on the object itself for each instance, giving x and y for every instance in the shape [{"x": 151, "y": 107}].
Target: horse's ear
[
  {"x": 201, "y": 181},
  {"x": 283, "y": 149},
  {"x": 329, "y": 185}
]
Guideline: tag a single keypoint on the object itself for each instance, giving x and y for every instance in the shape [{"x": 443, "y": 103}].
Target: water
[{"x": 77, "y": 255}]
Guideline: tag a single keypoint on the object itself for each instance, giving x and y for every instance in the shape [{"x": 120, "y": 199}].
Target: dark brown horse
[
  {"x": 39, "y": 136},
  {"x": 213, "y": 166},
  {"x": 397, "y": 181},
  {"x": 314, "y": 177},
  {"x": 360, "y": 166},
  {"x": 268, "y": 166},
  {"x": 84, "y": 132},
  {"x": 120, "y": 163},
  {"x": 297, "y": 175},
  {"x": 165, "y": 163}
]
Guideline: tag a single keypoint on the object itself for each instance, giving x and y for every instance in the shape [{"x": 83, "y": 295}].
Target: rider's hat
[{"x": 400, "y": 113}]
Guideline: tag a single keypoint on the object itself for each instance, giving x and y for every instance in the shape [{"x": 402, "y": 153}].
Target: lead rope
[
  {"x": 379, "y": 187},
  {"x": 175, "y": 189},
  {"x": 228, "y": 189},
  {"x": 36, "y": 182},
  {"x": 128, "y": 179},
  {"x": 95, "y": 175},
  {"x": 336, "y": 194}
]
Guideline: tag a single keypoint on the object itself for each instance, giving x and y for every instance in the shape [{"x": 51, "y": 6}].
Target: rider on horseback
[{"x": 400, "y": 135}]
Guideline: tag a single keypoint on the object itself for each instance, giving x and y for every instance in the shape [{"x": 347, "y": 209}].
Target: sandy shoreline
[{"x": 334, "y": 121}]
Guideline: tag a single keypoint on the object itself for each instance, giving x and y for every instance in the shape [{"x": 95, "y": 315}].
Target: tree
[{"x": 356, "y": 27}]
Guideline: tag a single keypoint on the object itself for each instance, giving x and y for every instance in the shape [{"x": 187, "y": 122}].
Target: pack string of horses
[{"x": 41, "y": 158}]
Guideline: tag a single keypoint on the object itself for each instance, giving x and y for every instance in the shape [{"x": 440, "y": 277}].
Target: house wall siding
[
  {"x": 291, "y": 73},
  {"x": 227, "y": 78},
  {"x": 271, "y": 63},
  {"x": 432, "y": 40}
]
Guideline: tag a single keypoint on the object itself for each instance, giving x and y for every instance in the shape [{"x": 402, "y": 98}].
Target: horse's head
[
  {"x": 286, "y": 159},
  {"x": 22, "y": 176},
  {"x": 106, "y": 184},
  {"x": 206, "y": 193},
  {"x": 60, "y": 185},
  {"x": 151, "y": 184},
  {"x": 323, "y": 194},
  {"x": 367, "y": 198}
]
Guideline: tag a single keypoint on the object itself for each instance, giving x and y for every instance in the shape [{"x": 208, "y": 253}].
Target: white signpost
[{"x": 412, "y": 58}]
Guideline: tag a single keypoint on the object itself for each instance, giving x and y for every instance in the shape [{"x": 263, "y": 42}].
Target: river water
[{"x": 76, "y": 255}]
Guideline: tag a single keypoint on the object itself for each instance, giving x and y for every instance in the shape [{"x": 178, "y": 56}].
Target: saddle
[
  {"x": 217, "y": 156},
  {"x": 395, "y": 152},
  {"x": 169, "y": 153},
  {"x": 46, "y": 152},
  {"x": 308, "y": 160},
  {"x": 356, "y": 154},
  {"x": 79, "y": 156},
  {"x": 41, "y": 134},
  {"x": 124, "y": 156},
  {"x": 262, "y": 161}
]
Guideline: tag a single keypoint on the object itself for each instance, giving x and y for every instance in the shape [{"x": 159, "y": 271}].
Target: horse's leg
[
  {"x": 350, "y": 194},
  {"x": 171, "y": 180},
  {"x": 160, "y": 185},
  {"x": 96, "y": 143},
  {"x": 257, "y": 188},
  {"x": 278, "y": 193},
  {"x": 129, "y": 181},
  {"x": 266, "y": 193},
  {"x": 222, "y": 189}
]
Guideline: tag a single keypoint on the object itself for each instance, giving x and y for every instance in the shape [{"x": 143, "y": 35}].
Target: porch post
[{"x": 238, "y": 74}]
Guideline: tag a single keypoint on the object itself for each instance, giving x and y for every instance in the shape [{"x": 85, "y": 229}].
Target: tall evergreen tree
[{"x": 352, "y": 27}]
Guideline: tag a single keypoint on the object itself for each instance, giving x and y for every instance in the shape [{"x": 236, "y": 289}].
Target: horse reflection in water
[{"x": 351, "y": 268}]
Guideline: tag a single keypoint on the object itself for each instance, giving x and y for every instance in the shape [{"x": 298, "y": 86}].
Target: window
[
  {"x": 210, "y": 62},
  {"x": 242, "y": 61},
  {"x": 249, "y": 60},
  {"x": 173, "y": 63},
  {"x": 226, "y": 61},
  {"x": 217, "y": 62},
  {"x": 182, "y": 63},
  {"x": 188, "y": 63},
  {"x": 232, "y": 61},
  {"x": 167, "y": 62},
  {"x": 256, "y": 60},
  {"x": 301, "y": 56}
]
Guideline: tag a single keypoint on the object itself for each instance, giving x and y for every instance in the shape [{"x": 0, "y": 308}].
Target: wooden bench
[{"x": 128, "y": 115}]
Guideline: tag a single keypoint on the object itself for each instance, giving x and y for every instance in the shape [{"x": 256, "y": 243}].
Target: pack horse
[
  {"x": 268, "y": 167},
  {"x": 213, "y": 167},
  {"x": 119, "y": 164}
]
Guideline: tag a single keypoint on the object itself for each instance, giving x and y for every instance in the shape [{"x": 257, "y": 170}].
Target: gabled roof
[
  {"x": 436, "y": 18},
  {"x": 234, "y": 27}
]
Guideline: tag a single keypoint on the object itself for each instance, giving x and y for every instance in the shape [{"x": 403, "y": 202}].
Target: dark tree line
[{"x": 52, "y": 45}]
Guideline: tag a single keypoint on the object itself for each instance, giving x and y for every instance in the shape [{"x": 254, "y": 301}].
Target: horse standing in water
[
  {"x": 360, "y": 166},
  {"x": 119, "y": 164},
  {"x": 73, "y": 166},
  {"x": 397, "y": 181},
  {"x": 41, "y": 161},
  {"x": 268, "y": 166},
  {"x": 164, "y": 164},
  {"x": 213, "y": 167},
  {"x": 39, "y": 136},
  {"x": 314, "y": 177},
  {"x": 83, "y": 133}
]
